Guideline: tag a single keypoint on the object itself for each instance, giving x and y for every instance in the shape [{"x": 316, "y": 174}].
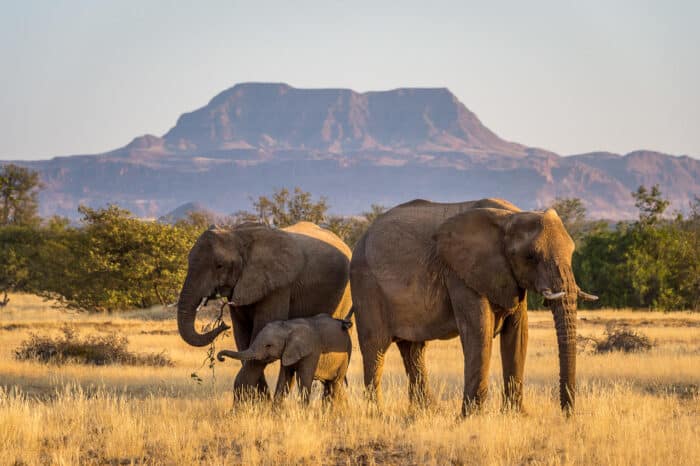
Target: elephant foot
[
  {"x": 471, "y": 407},
  {"x": 513, "y": 403},
  {"x": 517, "y": 409},
  {"x": 250, "y": 394},
  {"x": 277, "y": 405},
  {"x": 422, "y": 401},
  {"x": 374, "y": 408}
]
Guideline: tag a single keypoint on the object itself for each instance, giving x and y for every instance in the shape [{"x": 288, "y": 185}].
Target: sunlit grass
[{"x": 639, "y": 408}]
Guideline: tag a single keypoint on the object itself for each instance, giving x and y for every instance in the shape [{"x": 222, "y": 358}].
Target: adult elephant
[
  {"x": 426, "y": 271},
  {"x": 267, "y": 274}
]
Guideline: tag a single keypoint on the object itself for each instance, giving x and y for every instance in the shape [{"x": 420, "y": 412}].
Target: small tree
[
  {"x": 351, "y": 229},
  {"x": 375, "y": 210},
  {"x": 18, "y": 257},
  {"x": 651, "y": 205},
  {"x": 572, "y": 213},
  {"x": 116, "y": 261},
  {"x": 19, "y": 187},
  {"x": 284, "y": 208},
  {"x": 693, "y": 221},
  {"x": 660, "y": 255}
]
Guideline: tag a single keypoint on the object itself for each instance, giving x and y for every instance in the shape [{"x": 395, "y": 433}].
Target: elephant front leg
[
  {"x": 250, "y": 380},
  {"x": 284, "y": 383},
  {"x": 475, "y": 322},
  {"x": 306, "y": 368},
  {"x": 275, "y": 306},
  {"x": 335, "y": 389},
  {"x": 513, "y": 353}
]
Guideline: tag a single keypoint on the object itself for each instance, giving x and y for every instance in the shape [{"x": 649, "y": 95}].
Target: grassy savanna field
[{"x": 632, "y": 408}]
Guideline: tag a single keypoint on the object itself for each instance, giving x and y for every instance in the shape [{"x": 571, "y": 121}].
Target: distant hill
[{"x": 355, "y": 148}]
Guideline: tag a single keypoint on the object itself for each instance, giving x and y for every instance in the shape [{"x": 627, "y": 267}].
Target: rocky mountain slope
[{"x": 356, "y": 149}]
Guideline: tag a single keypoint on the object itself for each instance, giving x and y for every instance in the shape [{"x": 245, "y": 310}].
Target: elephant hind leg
[
  {"x": 413, "y": 355},
  {"x": 373, "y": 333},
  {"x": 334, "y": 392},
  {"x": 327, "y": 391},
  {"x": 373, "y": 361}
]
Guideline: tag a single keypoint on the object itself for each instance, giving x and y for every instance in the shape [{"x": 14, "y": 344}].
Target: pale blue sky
[{"x": 87, "y": 76}]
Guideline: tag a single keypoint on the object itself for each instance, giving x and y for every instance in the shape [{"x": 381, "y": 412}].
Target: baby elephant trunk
[{"x": 246, "y": 355}]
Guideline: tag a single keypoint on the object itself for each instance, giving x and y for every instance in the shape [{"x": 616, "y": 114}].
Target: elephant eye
[
  {"x": 219, "y": 266},
  {"x": 268, "y": 346},
  {"x": 531, "y": 257}
]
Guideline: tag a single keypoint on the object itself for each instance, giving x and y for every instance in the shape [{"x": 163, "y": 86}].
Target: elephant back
[{"x": 314, "y": 231}]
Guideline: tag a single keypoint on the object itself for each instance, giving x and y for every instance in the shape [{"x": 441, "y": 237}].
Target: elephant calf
[{"x": 311, "y": 348}]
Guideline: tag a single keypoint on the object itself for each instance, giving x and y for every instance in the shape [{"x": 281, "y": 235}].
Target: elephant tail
[{"x": 347, "y": 320}]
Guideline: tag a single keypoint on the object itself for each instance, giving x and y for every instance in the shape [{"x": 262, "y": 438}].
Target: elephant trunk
[
  {"x": 564, "y": 312},
  {"x": 187, "y": 307},
  {"x": 246, "y": 355}
]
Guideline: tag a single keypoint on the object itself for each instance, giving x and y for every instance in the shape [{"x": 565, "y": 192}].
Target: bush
[
  {"x": 622, "y": 339},
  {"x": 616, "y": 339},
  {"x": 94, "y": 349}
]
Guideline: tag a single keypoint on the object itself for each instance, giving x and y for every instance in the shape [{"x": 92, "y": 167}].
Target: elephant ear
[
  {"x": 299, "y": 345},
  {"x": 273, "y": 260},
  {"x": 472, "y": 245}
]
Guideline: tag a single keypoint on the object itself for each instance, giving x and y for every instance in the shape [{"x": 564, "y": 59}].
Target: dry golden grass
[{"x": 631, "y": 409}]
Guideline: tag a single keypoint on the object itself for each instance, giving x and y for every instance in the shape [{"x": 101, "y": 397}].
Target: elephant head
[
  {"x": 277, "y": 340},
  {"x": 243, "y": 264},
  {"x": 501, "y": 254}
]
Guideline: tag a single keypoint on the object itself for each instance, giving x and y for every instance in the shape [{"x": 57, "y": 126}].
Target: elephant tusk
[
  {"x": 587, "y": 296},
  {"x": 553, "y": 296},
  {"x": 202, "y": 303}
]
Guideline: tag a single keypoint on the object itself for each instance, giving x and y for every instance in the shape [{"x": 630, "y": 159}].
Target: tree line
[
  {"x": 112, "y": 260},
  {"x": 651, "y": 263}
]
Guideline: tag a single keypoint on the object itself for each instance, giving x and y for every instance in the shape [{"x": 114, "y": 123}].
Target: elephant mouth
[{"x": 219, "y": 292}]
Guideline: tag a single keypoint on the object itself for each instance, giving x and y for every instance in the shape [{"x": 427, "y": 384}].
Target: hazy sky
[{"x": 88, "y": 76}]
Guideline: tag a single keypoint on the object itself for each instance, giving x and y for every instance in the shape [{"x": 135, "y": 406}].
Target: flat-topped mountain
[
  {"x": 280, "y": 117},
  {"x": 355, "y": 148}
]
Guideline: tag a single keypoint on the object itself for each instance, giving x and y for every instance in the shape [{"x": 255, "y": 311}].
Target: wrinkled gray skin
[
  {"x": 269, "y": 274},
  {"x": 315, "y": 348},
  {"x": 426, "y": 271}
]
